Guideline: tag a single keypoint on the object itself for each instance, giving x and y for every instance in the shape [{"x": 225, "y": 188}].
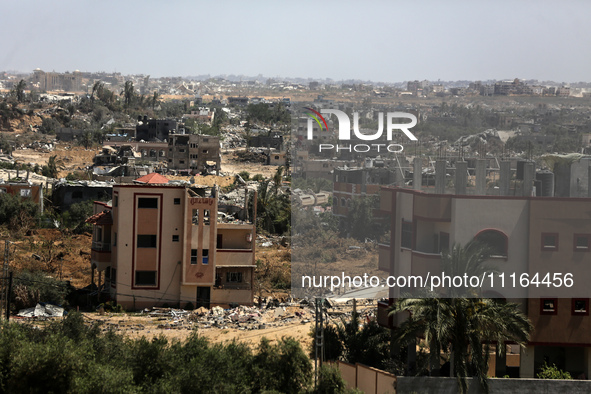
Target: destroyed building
[
  {"x": 24, "y": 190},
  {"x": 65, "y": 193},
  {"x": 274, "y": 140},
  {"x": 194, "y": 153},
  {"x": 110, "y": 156},
  {"x": 159, "y": 243},
  {"x": 155, "y": 129}
]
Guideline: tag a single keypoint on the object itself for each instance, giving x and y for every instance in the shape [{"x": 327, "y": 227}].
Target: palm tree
[
  {"x": 128, "y": 93},
  {"x": 54, "y": 165},
  {"x": 461, "y": 325},
  {"x": 154, "y": 100},
  {"x": 20, "y": 91},
  {"x": 273, "y": 207},
  {"x": 97, "y": 89}
]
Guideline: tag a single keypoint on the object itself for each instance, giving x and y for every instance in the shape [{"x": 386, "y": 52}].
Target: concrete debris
[
  {"x": 271, "y": 312},
  {"x": 42, "y": 310}
]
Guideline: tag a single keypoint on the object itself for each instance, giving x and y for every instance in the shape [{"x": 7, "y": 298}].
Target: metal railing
[{"x": 101, "y": 246}]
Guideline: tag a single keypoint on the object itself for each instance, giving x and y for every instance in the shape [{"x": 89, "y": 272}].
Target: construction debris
[{"x": 42, "y": 310}]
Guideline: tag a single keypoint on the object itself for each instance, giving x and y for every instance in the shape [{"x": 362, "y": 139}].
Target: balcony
[
  {"x": 101, "y": 246},
  {"x": 234, "y": 257}
]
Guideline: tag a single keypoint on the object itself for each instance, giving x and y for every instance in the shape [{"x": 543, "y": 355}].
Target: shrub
[{"x": 552, "y": 372}]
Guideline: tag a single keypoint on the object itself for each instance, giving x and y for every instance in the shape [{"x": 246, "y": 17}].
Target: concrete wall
[
  {"x": 522, "y": 386},
  {"x": 367, "y": 379}
]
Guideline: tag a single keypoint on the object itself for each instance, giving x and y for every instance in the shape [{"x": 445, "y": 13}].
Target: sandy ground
[{"x": 128, "y": 326}]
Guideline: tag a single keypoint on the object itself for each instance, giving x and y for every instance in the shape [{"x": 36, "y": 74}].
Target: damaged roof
[{"x": 103, "y": 218}]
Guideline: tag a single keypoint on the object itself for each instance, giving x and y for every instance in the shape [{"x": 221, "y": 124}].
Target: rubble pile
[
  {"x": 250, "y": 156},
  {"x": 272, "y": 313},
  {"x": 233, "y": 137}
]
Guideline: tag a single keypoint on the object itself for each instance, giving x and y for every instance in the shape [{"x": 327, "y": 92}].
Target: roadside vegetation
[{"x": 74, "y": 356}]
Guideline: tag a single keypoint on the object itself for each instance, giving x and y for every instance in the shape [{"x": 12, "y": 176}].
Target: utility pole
[
  {"x": 4, "y": 288},
  {"x": 8, "y": 293},
  {"x": 319, "y": 337}
]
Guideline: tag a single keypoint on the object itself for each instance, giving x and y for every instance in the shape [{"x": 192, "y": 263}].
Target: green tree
[
  {"x": 19, "y": 90},
  {"x": 53, "y": 167},
  {"x": 154, "y": 100},
  {"x": 368, "y": 344},
  {"x": 273, "y": 207},
  {"x": 463, "y": 326},
  {"x": 128, "y": 94},
  {"x": 361, "y": 223}
]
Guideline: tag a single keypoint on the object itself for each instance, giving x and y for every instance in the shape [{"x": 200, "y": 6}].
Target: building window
[
  {"x": 548, "y": 306},
  {"x": 204, "y": 151},
  {"x": 177, "y": 201},
  {"x": 115, "y": 201},
  {"x": 193, "y": 256},
  {"x": 175, "y": 238},
  {"x": 147, "y": 202},
  {"x": 234, "y": 277},
  {"x": 113, "y": 277},
  {"x": 276, "y": 157},
  {"x": 181, "y": 151},
  {"x": 406, "y": 238},
  {"x": 145, "y": 278},
  {"x": 550, "y": 241},
  {"x": 443, "y": 242},
  {"x": 205, "y": 259},
  {"x": 580, "y": 307},
  {"x": 146, "y": 241},
  {"x": 495, "y": 240},
  {"x": 181, "y": 162},
  {"x": 581, "y": 242}
]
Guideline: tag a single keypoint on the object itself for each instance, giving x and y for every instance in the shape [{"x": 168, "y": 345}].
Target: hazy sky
[{"x": 386, "y": 41}]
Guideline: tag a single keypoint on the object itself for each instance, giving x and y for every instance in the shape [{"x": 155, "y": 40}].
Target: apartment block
[
  {"x": 193, "y": 152},
  {"x": 160, "y": 243},
  {"x": 528, "y": 235}
]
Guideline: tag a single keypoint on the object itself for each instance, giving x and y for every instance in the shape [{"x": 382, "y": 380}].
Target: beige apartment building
[
  {"x": 528, "y": 235},
  {"x": 160, "y": 243}
]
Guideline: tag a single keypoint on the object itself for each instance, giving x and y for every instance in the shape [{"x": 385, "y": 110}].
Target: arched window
[{"x": 496, "y": 240}]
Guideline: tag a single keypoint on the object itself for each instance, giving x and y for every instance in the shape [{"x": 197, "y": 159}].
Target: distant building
[
  {"x": 274, "y": 140},
  {"x": 155, "y": 129},
  {"x": 241, "y": 101},
  {"x": 24, "y": 190},
  {"x": 202, "y": 115},
  {"x": 65, "y": 193},
  {"x": 46, "y": 81},
  {"x": 193, "y": 153},
  {"x": 67, "y": 134}
]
